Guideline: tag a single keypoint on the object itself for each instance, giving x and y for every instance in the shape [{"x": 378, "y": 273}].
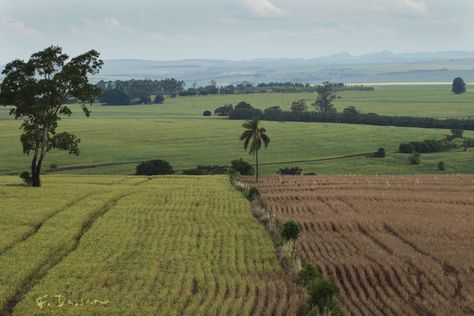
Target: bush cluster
[
  {"x": 154, "y": 167},
  {"x": 207, "y": 170},
  {"x": 426, "y": 146},
  {"x": 290, "y": 171}
]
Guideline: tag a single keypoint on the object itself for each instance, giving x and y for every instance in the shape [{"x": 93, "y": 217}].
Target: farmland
[
  {"x": 115, "y": 139},
  {"x": 395, "y": 245},
  {"x": 114, "y": 245}
]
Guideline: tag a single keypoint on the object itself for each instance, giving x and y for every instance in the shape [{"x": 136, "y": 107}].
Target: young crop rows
[
  {"x": 136, "y": 246},
  {"x": 401, "y": 245}
]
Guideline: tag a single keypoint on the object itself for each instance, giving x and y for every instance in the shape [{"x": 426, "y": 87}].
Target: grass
[
  {"x": 116, "y": 139},
  {"x": 173, "y": 245}
]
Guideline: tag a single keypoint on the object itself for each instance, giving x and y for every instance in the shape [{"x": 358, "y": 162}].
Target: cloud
[
  {"x": 103, "y": 26},
  {"x": 415, "y": 6},
  {"x": 261, "y": 8},
  {"x": 20, "y": 28}
]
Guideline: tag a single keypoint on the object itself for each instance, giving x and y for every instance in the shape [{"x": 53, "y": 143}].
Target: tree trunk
[
  {"x": 38, "y": 161},
  {"x": 256, "y": 164}
]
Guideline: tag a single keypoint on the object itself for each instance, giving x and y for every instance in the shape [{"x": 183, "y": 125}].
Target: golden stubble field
[{"x": 396, "y": 245}]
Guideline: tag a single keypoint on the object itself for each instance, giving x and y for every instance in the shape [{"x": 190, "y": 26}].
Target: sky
[{"x": 233, "y": 29}]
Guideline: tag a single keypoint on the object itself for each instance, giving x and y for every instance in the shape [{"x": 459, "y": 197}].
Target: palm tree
[{"x": 254, "y": 136}]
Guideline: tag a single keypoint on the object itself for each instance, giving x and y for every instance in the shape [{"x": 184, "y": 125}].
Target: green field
[
  {"x": 139, "y": 246},
  {"x": 115, "y": 139}
]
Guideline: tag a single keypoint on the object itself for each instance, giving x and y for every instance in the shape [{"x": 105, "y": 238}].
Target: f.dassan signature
[{"x": 62, "y": 301}]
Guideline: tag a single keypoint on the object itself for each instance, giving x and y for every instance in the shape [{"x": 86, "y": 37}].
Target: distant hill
[{"x": 380, "y": 67}]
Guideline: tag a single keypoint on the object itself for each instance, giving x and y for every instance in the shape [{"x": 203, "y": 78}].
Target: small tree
[
  {"x": 308, "y": 274},
  {"x": 254, "y": 137},
  {"x": 459, "y": 86},
  {"x": 159, "y": 99},
  {"x": 154, "y": 167},
  {"x": 38, "y": 89},
  {"x": 323, "y": 296},
  {"x": 380, "y": 153},
  {"x": 242, "y": 167},
  {"x": 299, "y": 106},
  {"x": 325, "y": 97},
  {"x": 441, "y": 166},
  {"x": 290, "y": 231},
  {"x": 415, "y": 158},
  {"x": 206, "y": 113}
]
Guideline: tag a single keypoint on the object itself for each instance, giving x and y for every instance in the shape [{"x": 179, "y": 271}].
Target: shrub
[
  {"x": 253, "y": 194},
  {"x": 293, "y": 171},
  {"x": 307, "y": 274},
  {"x": 154, "y": 167},
  {"x": 441, "y": 166},
  {"x": 415, "y": 158},
  {"x": 26, "y": 177},
  {"x": 242, "y": 167},
  {"x": 290, "y": 230},
  {"x": 206, "y": 170},
  {"x": 53, "y": 167},
  {"x": 223, "y": 110},
  {"x": 406, "y": 148},
  {"x": 380, "y": 153},
  {"x": 310, "y": 174},
  {"x": 322, "y": 296},
  {"x": 159, "y": 99},
  {"x": 206, "y": 113}
]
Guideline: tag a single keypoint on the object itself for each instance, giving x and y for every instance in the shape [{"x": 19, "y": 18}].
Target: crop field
[
  {"x": 136, "y": 246},
  {"x": 116, "y": 138},
  {"x": 396, "y": 245}
]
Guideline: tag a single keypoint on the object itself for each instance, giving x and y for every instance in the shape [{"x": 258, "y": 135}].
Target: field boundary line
[
  {"x": 36, "y": 276},
  {"x": 316, "y": 160}
]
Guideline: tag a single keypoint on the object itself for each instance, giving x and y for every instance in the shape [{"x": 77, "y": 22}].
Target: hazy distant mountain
[{"x": 382, "y": 66}]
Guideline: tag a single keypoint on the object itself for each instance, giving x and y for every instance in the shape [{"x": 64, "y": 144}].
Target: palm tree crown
[{"x": 253, "y": 138}]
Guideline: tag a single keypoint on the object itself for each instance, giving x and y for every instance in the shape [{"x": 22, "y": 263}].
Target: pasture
[
  {"x": 397, "y": 245},
  {"x": 114, "y": 139},
  {"x": 89, "y": 245}
]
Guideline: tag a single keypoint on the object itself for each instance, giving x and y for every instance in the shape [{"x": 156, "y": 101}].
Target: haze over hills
[{"x": 379, "y": 67}]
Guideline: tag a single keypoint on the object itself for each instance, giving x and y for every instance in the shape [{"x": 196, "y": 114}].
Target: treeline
[
  {"x": 138, "y": 91},
  {"x": 271, "y": 87},
  {"x": 277, "y": 114}
]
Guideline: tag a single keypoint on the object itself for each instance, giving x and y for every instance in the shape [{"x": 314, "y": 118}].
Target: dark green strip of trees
[{"x": 276, "y": 114}]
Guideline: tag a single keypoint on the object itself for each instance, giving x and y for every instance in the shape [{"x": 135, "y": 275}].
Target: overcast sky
[{"x": 234, "y": 29}]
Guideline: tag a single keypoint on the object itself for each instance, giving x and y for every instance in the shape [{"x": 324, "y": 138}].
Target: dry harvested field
[
  {"x": 136, "y": 246},
  {"x": 398, "y": 245}
]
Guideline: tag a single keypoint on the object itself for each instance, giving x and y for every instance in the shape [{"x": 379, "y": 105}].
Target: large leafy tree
[
  {"x": 459, "y": 86},
  {"x": 254, "y": 137},
  {"x": 38, "y": 89},
  {"x": 325, "y": 97}
]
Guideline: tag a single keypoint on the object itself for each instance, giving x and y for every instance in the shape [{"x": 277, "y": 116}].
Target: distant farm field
[
  {"x": 115, "y": 138},
  {"x": 395, "y": 245},
  {"x": 136, "y": 246}
]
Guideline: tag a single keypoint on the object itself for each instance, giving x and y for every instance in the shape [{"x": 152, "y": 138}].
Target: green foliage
[
  {"x": 38, "y": 91},
  {"x": 414, "y": 158},
  {"x": 224, "y": 110},
  {"x": 298, "y": 106},
  {"x": 159, "y": 99},
  {"x": 114, "y": 97},
  {"x": 441, "y": 166},
  {"x": 26, "y": 177},
  {"x": 254, "y": 137},
  {"x": 154, "y": 167},
  {"x": 322, "y": 296},
  {"x": 252, "y": 194},
  {"x": 206, "y": 113},
  {"x": 290, "y": 230},
  {"x": 459, "y": 86},
  {"x": 138, "y": 88},
  {"x": 206, "y": 170},
  {"x": 242, "y": 167},
  {"x": 290, "y": 171},
  {"x": 426, "y": 146},
  {"x": 350, "y": 111},
  {"x": 53, "y": 167},
  {"x": 325, "y": 97},
  {"x": 308, "y": 274},
  {"x": 406, "y": 148},
  {"x": 380, "y": 153}
]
